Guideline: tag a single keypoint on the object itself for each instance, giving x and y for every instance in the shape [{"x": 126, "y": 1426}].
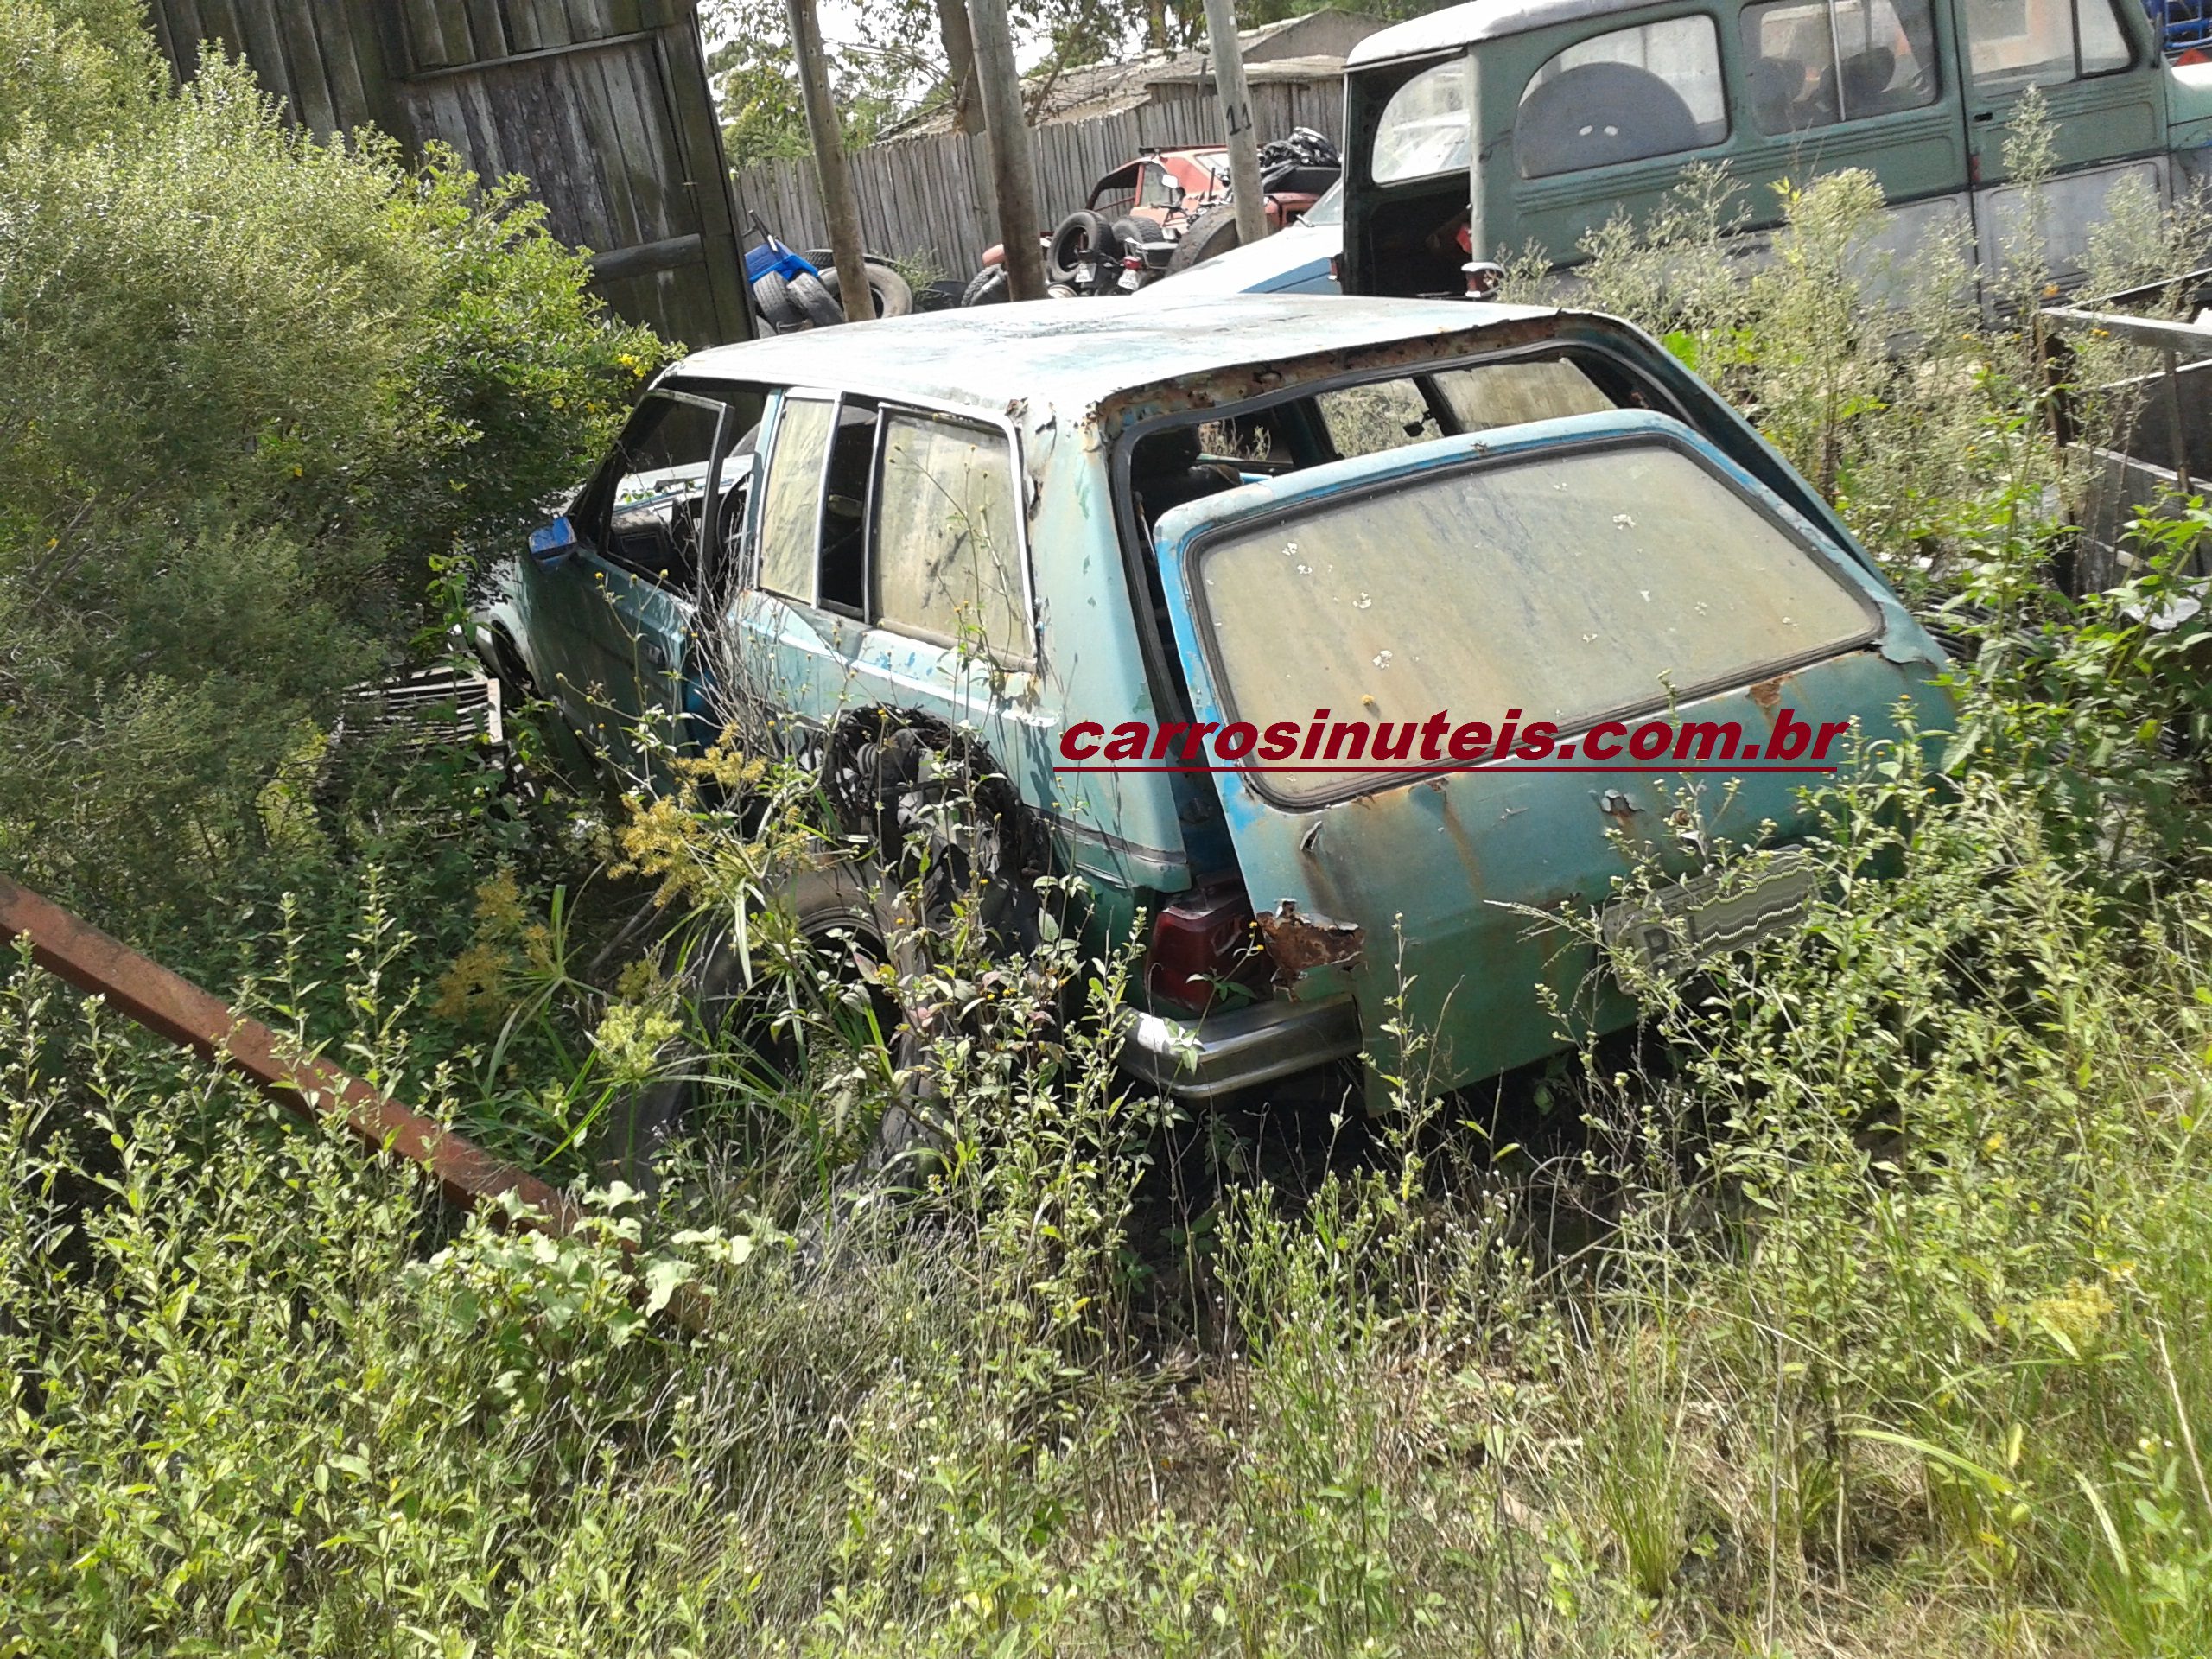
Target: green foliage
[{"x": 257, "y": 385}]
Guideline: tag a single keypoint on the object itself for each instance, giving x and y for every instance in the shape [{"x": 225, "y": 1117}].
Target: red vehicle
[{"x": 1166, "y": 209}]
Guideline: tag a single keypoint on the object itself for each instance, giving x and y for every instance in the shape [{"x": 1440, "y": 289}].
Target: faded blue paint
[{"x": 1439, "y": 870}]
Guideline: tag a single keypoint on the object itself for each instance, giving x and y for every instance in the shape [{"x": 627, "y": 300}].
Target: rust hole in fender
[{"x": 1297, "y": 944}]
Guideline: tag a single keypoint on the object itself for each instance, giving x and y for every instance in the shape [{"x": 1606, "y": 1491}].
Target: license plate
[{"x": 1676, "y": 931}]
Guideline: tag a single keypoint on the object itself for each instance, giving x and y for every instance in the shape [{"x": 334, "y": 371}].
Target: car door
[
  {"x": 2103, "y": 81},
  {"x": 619, "y": 612},
  {"x": 1590, "y": 573},
  {"x": 890, "y": 570}
]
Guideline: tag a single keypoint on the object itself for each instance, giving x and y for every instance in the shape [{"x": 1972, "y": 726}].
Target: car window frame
[
  {"x": 596, "y": 503},
  {"x": 786, "y": 398},
  {"x": 885, "y": 403},
  {"x": 1739, "y": 91},
  {"x": 1727, "y": 79},
  {"x": 1162, "y": 660},
  {"x": 1977, "y": 87},
  {"x": 1016, "y": 480}
]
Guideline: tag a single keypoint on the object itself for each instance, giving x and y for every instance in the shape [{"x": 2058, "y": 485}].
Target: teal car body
[{"x": 1038, "y": 524}]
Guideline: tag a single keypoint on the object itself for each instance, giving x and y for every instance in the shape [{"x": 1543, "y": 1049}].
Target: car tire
[
  {"x": 1213, "y": 231},
  {"x": 893, "y": 297},
  {"x": 986, "y": 287},
  {"x": 772, "y": 297},
  {"x": 821, "y": 308},
  {"x": 841, "y": 905},
  {"x": 1080, "y": 231}
]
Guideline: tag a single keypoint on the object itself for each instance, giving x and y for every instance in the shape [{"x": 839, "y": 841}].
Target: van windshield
[
  {"x": 1571, "y": 586},
  {"x": 1424, "y": 127}
]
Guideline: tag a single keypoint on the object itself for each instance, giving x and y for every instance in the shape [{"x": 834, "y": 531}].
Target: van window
[
  {"x": 1653, "y": 90},
  {"x": 1424, "y": 128},
  {"x": 1574, "y": 586},
  {"x": 791, "y": 505},
  {"x": 2014, "y": 44},
  {"x": 948, "y": 546},
  {"x": 1812, "y": 63}
]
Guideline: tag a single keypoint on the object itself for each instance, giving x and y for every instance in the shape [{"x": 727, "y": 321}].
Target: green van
[{"x": 1587, "y": 108}]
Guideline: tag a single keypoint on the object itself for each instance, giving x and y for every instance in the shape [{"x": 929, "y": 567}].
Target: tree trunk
[
  {"x": 1013, "y": 168},
  {"x": 829, "y": 140},
  {"x": 959, "y": 64}
]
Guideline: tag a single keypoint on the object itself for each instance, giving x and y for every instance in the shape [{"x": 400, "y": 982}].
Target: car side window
[
  {"x": 790, "y": 500},
  {"x": 1154, "y": 188},
  {"x": 1653, "y": 90},
  {"x": 734, "y": 484},
  {"x": 654, "y": 511},
  {"x": 842, "y": 583},
  {"x": 948, "y": 563},
  {"x": 2013, "y": 45},
  {"x": 1814, "y": 63}
]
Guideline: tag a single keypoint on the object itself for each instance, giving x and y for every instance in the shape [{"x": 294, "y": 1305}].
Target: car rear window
[{"x": 1568, "y": 586}]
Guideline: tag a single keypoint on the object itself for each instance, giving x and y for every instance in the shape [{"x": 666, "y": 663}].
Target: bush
[{"x": 259, "y": 387}]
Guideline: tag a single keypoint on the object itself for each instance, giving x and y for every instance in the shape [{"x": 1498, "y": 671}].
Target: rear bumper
[{"x": 1204, "y": 1059}]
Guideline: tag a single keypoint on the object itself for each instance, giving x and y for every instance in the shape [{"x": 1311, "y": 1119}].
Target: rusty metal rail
[{"x": 173, "y": 1008}]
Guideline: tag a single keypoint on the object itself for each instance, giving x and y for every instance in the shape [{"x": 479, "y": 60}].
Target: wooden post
[
  {"x": 829, "y": 140},
  {"x": 1013, "y": 168},
  {"x": 1236, "y": 121}
]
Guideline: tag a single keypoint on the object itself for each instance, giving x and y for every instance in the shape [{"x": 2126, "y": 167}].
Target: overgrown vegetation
[{"x": 1857, "y": 1310}]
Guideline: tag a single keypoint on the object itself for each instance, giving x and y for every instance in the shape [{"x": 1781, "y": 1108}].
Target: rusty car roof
[
  {"x": 1069, "y": 352},
  {"x": 1478, "y": 19}
]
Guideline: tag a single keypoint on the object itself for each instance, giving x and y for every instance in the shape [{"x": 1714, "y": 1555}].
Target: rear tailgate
[{"x": 1589, "y": 574}]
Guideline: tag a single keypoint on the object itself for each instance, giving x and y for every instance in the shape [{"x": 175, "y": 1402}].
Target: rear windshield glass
[{"x": 1570, "y": 587}]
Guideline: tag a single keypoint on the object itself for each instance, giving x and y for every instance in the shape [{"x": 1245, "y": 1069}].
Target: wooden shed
[{"x": 603, "y": 105}]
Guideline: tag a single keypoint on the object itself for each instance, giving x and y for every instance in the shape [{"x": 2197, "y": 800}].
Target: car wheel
[
  {"x": 822, "y": 309},
  {"x": 1213, "y": 231},
  {"x": 771, "y": 296},
  {"x": 839, "y": 913},
  {"x": 894, "y": 298},
  {"x": 1081, "y": 232},
  {"x": 986, "y": 287}
]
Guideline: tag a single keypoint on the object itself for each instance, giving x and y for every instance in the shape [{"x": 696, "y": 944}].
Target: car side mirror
[{"x": 551, "y": 544}]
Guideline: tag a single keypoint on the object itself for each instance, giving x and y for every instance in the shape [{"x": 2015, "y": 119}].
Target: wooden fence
[
  {"x": 928, "y": 198},
  {"x": 603, "y": 105}
]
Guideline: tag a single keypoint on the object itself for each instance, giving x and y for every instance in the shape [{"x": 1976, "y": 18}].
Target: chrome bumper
[{"x": 1204, "y": 1059}]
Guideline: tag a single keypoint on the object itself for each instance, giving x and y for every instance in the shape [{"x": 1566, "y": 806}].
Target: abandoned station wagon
[{"x": 1035, "y": 523}]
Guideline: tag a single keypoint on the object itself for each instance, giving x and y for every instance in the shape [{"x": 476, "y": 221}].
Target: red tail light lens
[{"x": 1199, "y": 940}]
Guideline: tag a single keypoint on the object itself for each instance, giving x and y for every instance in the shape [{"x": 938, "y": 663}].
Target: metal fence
[{"x": 928, "y": 198}]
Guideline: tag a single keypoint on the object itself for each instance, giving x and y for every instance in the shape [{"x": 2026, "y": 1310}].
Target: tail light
[{"x": 1201, "y": 939}]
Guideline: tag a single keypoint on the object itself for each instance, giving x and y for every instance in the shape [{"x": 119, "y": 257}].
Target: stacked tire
[{"x": 806, "y": 301}]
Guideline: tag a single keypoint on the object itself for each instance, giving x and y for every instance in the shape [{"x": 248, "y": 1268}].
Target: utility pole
[
  {"x": 829, "y": 140},
  {"x": 1236, "y": 119},
  {"x": 1014, "y": 169}
]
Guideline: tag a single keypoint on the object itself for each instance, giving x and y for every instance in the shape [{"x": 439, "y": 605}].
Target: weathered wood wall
[
  {"x": 929, "y": 198},
  {"x": 603, "y": 105}
]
